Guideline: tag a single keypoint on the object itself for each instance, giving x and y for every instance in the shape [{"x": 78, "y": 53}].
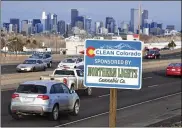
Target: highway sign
[{"x": 113, "y": 64}]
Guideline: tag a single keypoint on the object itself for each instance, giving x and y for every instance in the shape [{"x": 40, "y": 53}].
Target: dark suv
[{"x": 152, "y": 54}]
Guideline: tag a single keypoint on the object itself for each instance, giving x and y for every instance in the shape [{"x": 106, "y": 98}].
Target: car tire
[
  {"x": 49, "y": 65},
  {"x": 33, "y": 69},
  {"x": 76, "y": 108},
  {"x": 54, "y": 115},
  {"x": 14, "y": 115},
  {"x": 88, "y": 91},
  {"x": 44, "y": 69}
]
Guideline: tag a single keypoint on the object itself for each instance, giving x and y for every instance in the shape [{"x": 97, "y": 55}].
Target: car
[
  {"x": 174, "y": 69},
  {"x": 70, "y": 63},
  {"x": 31, "y": 65},
  {"x": 153, "y": 54},
  {"x": 42, "y": 97},
  {"x": 46, "y": 58},
  {"x": 81, "y": 67},
  {"x": 72, "y": 77}
]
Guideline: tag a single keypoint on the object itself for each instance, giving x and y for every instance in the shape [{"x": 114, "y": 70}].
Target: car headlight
[{"x": 60, "y": 64}]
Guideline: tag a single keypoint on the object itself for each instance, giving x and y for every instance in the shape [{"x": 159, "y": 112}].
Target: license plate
[
  {"x": 22, "y": 69},
  {"x": 27, "y": 99},
  {"x": 173, "y": 69}
]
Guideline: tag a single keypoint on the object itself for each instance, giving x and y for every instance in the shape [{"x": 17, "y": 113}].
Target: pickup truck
[{"x": 73, "y": 78}]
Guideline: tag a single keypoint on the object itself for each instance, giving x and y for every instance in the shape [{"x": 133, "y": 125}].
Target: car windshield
[
  {"x": 29, "y": 88},
  {"x": 151, "y": 52},
  {"x": 29, "y": 62},
  {"x": 81, "y": 67},
  {"x": 69, "y": 61},
  {"x": 37, "y": 56},
  {"x": 176, "y": 65},
  {"x": 64, "y": 72}
]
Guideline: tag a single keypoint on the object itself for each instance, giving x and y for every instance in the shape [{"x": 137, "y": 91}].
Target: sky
[{"x": 166, "y": 12}]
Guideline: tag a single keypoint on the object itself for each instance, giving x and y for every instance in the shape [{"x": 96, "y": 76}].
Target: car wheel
[
  {"x": 49, "y": 65},
  {"x": 33, "y": 69},
  {"x": 14, "y": 115},
  {"x": 54, "y": 115},
  {"x": 76, "y": 108},
  {"x": 88, "y": 91},
  {"x": 44, "y": 69}
]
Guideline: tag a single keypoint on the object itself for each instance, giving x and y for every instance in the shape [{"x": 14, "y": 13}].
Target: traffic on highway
[{"x": 60, "y": 93}]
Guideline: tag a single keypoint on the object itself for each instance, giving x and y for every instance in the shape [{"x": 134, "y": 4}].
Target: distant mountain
[{"x": 120, "y": 46}]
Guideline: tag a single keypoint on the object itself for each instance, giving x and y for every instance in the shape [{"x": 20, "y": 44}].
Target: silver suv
[
  {"x": 46, "y": 58},
  {"x": 43, "y": 97}
]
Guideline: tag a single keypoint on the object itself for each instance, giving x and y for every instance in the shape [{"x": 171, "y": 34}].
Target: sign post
[
  {"x": 113, "y": 107},
  {"x": 114, "y": 64}
]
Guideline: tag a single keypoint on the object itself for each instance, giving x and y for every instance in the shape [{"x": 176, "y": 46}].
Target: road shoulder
[{"x": 138, "y": 115}]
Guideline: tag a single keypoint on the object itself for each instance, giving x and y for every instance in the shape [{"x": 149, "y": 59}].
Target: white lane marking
[
  {"x": 104, "y": 95},
  {"x": 147, "y": 77},
  {"x": 153, "y": 86},
  {"x": 159, "y": 98}
]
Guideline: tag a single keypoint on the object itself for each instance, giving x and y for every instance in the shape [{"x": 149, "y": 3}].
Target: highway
[
  {"x": 155, "y": 84},
  {"x": 10, "y": 69}
]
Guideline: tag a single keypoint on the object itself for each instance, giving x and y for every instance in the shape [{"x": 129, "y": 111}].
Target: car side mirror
[{"x": 72, "y": 91}]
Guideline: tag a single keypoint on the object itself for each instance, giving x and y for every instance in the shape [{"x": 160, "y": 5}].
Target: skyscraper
[
  {"x": 43, "y": 20},
  {"x": 74, "y": 14},
  {"x": 144, "y": 17},
  {"x": 48, "y": 22},
  {"x": 79, "y": 22},
  {"x": 35, "y": 21},
  {"x": 54, "y": 23},
  {"x": 61, "y": 27},
  {"x": 110, "y": 24},
  {"x": 134, "y": 22},
  {"x": 88, "y": 22},
  {"x": 24, "y": 26},
  {"x": 16, "y": 24}
]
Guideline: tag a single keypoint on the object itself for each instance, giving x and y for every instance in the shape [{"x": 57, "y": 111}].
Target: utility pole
[{"x": 139, "y": 24}]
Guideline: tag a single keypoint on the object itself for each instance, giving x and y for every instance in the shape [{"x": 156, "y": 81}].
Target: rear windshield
[
  {"x": 33, "y": 89},
  {"x": 64, "y": 72},
  {"x": 151, "y": 52},
  {"x": 68, "y": 61},
  {"x": 176, "y": 64},
  {"x": 29, "y": 62}
]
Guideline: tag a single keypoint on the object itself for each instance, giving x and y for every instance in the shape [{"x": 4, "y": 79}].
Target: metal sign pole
[{"x": 113, "y": 107}]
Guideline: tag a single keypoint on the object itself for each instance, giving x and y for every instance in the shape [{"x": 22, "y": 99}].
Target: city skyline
[{"x": 33, "y": 11}]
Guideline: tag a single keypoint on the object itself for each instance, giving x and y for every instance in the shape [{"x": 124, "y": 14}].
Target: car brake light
[
  {"x": 65, "y": 81},
  {"x": 43, "y": 97},
  {"x": 14, "y": 96}
]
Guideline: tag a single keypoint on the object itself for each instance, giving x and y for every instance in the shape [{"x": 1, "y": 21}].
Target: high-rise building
[
  {"x": 124, "y": 27},
  {"x": 170, "y": 27},
  {"x": 48, "y": 22},
  {"x": 154, "y": 25},
  {"x": 38, "y": 28},
  {"x": 159, "y": 25},
  {"x": 35, "y": 21},
  {"x": 10, "y": 28},
  {"x": 110, "y": 24},
  {"x": 97, "y": 27},
  {"x": 61, "y": 27},
  {"x": 144, "y": 17},
  {"x": 88, "y": 23},
  {"x": 24, "y": 26},
  {"x": 43, "y": 20},
  {"x": 30, "y": 27},
  {"x": 74, "y": 14},
  {"x": 134, "y": 21},
  {"x": 16, "y": 24},
  {"x": 6, "y": 26},
  {"x": 79, "y": 22},
  {"x": 68, "y": 28},
  {"x": 54, "y": 23}
]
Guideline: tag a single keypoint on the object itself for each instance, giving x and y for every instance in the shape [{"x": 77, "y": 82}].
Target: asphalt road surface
[
  {"x": 10, "y": 69},
  {"x": 155, "y": 84}
]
